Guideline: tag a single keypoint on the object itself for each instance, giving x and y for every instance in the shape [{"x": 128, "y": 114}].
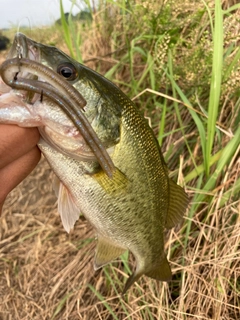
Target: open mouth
[{"x": 23, "y": 71}]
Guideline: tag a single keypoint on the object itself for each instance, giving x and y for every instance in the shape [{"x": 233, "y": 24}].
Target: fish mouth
[
  {"x": 20, "y": 48},
  {"x": 24, "y": 48},
  {"x": 25, "y": 71}
]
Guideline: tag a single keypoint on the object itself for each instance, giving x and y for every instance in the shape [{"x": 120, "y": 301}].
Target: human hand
[{"x": 19, "y": 155}]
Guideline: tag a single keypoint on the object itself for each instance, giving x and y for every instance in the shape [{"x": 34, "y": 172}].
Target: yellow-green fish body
[
  {"x": 131, "y": 210},
  {"x": 132, "y": 213}
]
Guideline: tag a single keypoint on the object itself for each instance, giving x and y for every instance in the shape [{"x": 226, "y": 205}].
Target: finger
[
  {"x": 15, "y": 142},
  {"x": 16, "y": 171}
]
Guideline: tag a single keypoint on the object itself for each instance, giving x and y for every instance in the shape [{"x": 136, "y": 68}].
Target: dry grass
[{"x": 45, "y": 273}]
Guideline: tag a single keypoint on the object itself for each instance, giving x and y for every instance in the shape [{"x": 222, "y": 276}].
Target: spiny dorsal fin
[
  {"x": 178, "y": 202},
  {"x": 118, "y": 181},
  {"x": 67, "y": 208},
  {"x": 106, "y": 252},
  {"x": 162, "y": 273}
]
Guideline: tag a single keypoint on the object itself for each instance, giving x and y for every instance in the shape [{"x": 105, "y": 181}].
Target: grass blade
[{"x": 215, "y": 88}]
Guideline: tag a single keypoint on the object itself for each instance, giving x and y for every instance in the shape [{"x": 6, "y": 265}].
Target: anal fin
[{"x": 106, "y": 252}]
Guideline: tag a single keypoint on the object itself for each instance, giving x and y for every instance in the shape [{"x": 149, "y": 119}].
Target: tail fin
[
  {"x": 162, "y": 273},
  {"x": 130, "y": 281}
]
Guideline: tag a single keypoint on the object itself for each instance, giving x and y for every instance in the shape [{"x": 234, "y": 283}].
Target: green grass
[
  {"x": 216, "y": 81},
  {"x": 71, "y": 36}
]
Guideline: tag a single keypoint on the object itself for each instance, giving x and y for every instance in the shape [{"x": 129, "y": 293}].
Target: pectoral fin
[
  {"x": 106, "y": 252},
  {"x": 118, "y": 182},
  {"x": 178, "y": 202},
  {"x": 67, "y": 208}
]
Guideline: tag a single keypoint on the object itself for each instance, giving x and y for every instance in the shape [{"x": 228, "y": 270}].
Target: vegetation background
[{"x": 179, "y": 61}]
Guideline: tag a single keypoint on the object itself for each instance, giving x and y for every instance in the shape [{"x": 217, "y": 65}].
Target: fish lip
[{"x": 24, "y": 47}]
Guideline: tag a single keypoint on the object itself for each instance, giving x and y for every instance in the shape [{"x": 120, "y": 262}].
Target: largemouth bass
[{"x": 129, "y": 208}]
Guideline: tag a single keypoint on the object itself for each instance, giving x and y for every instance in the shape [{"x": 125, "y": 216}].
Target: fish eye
[{"x": 68, "y": 71}]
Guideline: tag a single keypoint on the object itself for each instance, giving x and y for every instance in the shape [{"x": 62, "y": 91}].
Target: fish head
[{"x": 103, "y": 106}]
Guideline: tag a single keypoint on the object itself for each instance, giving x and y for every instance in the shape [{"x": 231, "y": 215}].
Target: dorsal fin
[
  {"x": 106, "y": 252},
  {"x": 178, "y": 202}
]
